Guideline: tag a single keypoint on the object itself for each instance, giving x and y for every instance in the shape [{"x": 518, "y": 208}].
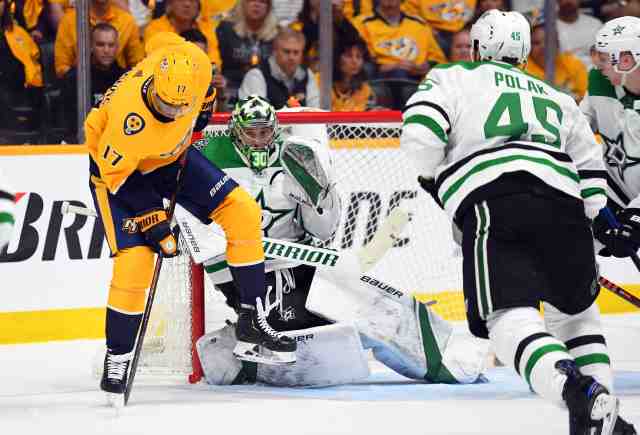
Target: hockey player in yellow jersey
[{"x": 138, "y": 139}]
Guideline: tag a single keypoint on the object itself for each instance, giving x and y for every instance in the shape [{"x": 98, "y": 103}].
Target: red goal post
[{"x": 373, "y": 176}]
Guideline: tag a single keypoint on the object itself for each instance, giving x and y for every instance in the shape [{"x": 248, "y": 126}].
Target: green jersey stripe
[
  {"x": 586, "y": 193},
  {"x": 216, "y": 267},
  {"x": 503, "y": 160},
  {"x": 428, "y": 122},
  {"x": 436, "y": 371}
]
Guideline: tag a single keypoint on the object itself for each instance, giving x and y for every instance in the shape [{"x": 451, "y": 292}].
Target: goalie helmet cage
[{"x": 373, "y": 176}]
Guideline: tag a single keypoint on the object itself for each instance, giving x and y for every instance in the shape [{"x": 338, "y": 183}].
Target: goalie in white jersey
[
  {"x": 516, "y": 167},
  {"x": 334, "y": 319},
  {"x": 612, "y": 105}
]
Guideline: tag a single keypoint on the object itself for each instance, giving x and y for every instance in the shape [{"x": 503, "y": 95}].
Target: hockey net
[{"x": 373, "y": 176}]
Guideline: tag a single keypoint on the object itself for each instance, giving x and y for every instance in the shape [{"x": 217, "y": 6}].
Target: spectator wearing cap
[
  {"x": 130, "y": 49},
  {"x": 282, "y": 75}
]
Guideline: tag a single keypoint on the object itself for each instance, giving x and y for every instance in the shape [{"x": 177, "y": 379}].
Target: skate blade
[
  {"x": 254, "y": 353},
  {"x": 115, "y": 400},
  {"x": 605, "y": 409}
]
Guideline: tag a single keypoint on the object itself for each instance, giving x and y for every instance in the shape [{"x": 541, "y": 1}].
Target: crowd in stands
[{"x": 382, "y": 49}]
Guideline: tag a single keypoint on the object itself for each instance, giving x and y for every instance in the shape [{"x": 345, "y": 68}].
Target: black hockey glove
[
  {"x": 622, "y": 241},
  {"x": 155, "y": 226},
  {"x": 206, "y": 110}
]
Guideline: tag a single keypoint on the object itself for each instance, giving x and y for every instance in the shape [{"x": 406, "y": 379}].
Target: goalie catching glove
[
  {"x": 307, "y": 166},
  {"x": 155, "y": 226},
  {"x": 622, "y": 241}
]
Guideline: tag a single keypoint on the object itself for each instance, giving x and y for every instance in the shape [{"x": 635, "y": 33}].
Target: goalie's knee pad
[
  {"x": 582, "y": 334},
  {"x": 132, "y": 274}
]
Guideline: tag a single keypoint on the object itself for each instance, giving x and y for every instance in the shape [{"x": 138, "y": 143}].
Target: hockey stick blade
[{"x": 619, "y": 291}]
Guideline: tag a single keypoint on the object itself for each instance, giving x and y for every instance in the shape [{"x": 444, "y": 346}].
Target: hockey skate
[
  {"x": 114, "y": 377},
  {"x": 592, "y": 410},
  {"x": 258, "y": 342}
]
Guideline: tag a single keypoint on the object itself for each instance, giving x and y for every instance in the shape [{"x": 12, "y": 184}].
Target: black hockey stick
[
  {"x": 144, "y": 323},
  {"x": 619, "y": 291}
]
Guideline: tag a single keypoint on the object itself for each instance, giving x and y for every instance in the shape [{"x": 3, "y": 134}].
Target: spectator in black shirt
[
  {"x": 104, "y": 72},
  {"x": 245, "y": 40}
]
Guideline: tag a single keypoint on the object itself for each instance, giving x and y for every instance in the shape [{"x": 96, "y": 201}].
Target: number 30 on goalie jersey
[{"x": 469, "y": 122}]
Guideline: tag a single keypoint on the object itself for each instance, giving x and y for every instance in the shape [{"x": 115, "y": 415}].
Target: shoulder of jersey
[
  {"x": 415, "y": 18},
  {"x": 600, "y": 86}
]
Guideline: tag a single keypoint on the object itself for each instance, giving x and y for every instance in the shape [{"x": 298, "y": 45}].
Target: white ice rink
[{"x": 50, "y": 389}]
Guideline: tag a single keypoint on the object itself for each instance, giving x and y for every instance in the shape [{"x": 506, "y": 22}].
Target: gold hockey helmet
[{"x": 174, "y": 84}]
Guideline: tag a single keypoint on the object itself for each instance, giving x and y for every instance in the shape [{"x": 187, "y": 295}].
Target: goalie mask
[
  {"x": 254, "y": 129},
  {"x": 617, "y": 37}
]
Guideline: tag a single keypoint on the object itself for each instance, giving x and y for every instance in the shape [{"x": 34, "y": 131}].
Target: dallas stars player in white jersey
[
  {"x": 289, "y": 172},
  {"x": 612, "y": 105},
  {"x": 7, "y": 200},
  {"x": 514, "y": 164}
]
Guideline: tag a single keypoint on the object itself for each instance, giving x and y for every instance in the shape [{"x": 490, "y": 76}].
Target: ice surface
[{"x": 49, "y": 389}]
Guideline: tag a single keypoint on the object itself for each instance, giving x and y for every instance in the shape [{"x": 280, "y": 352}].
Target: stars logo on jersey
[
  {"x": 270, "y": 215},
  {"x": 616, "y": 156},
  {"x": 133, "y": 123},
  {"x": 618, "y": 30}
]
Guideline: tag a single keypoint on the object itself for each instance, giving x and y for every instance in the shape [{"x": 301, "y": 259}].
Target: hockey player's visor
[
  {"x": 258, "y": 136},
  {"x": 169, "y": 110}
]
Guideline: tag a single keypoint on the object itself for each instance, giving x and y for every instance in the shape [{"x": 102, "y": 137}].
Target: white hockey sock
[
  {"x": 582, "y": 334},
  {"x": 519, "y": 338}
]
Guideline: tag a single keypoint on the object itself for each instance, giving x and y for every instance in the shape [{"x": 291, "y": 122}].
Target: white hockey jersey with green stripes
[
  {"x": 470, "y": 122},
  {"x": 615, "y": 114}
]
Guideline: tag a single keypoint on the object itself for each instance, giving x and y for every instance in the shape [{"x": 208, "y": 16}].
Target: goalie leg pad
[
  {"x": 582, "y": 333},
  {"x": 326, "y": 355},
  {"x": 403, "y": 333}
]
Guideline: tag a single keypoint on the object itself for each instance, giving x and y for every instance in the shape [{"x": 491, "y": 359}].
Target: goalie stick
[{"x": 347, "y": 264}]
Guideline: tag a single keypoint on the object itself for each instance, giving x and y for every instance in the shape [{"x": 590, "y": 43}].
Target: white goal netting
[{"x": 373, "y": 177}]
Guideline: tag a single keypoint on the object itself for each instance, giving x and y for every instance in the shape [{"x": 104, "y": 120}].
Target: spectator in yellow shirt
[
  {"x": 351, "y": 91},
  {"x": 570, "y": 72},
  {"x": 182, "y": 15},
  {"x": 401, "y": 45},
  {"x": 20, "y": 70},
  {"x": 130, "y": 49},
  {"x": 216, "y": 10}
]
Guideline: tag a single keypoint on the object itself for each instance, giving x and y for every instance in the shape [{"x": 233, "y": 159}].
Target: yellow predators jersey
[
  {"x": 447, "y": 15},
  {"x": 411, "y": 39},
  {"x": 570, "y": 74},
  {"x": 123, "y": 135}
]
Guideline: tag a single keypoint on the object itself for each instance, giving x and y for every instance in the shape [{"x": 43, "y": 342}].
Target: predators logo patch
[{"x": 133, "y": 124}]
